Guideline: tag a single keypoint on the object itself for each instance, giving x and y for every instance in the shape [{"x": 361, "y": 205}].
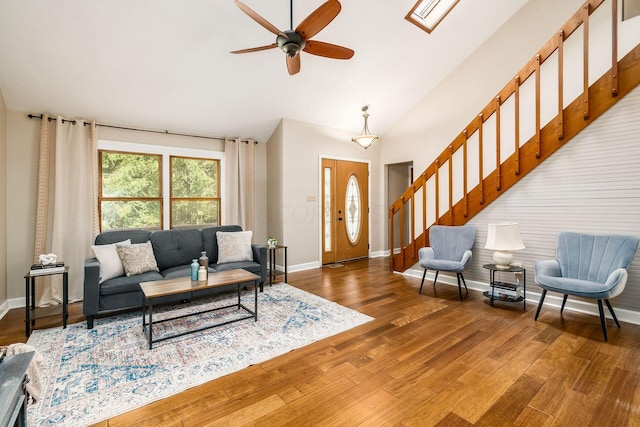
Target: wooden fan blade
[
  {"x": 319, "y": 18},
  {"x": 328, "y": 50},
  {"x": 259, "y": 19},
  {"x": 255, "y": 49},
  {"x": 293, "y": 64}
]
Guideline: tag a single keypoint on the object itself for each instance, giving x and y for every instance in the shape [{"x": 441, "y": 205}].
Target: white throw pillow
[
  {"x": 110, "y": 262},
  {"x": 137, "y": 258},
  {"x": 234, "y": 246}
]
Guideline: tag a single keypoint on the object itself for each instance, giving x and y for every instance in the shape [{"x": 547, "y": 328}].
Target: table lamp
[{"x": 503, "y": 238}]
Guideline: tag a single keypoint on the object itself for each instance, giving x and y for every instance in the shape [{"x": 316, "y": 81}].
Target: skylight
[{"x": 427, "y": 14}]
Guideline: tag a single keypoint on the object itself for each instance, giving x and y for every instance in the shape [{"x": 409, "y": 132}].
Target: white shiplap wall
[{"x": 590, "y": 185}]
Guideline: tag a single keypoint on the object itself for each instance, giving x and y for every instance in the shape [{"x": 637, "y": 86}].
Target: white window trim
[{"x": 166, "y": 152}]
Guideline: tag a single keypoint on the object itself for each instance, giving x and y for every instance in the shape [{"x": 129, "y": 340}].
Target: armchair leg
[
  {"x": 435, "y": 278},
  {"x": 464, "y": 283},
  {"x": 603, "y": 321},
  {"x": 544, "y": 294},
  {"x": 615, "y": 319},
  {"x": 564, "y": 301},
  {"x": 422, "y": 283},
  {"x": 459, "y": 286}
]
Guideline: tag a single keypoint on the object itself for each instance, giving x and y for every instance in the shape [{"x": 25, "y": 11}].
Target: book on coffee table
[{"x": 39, "y": 269}]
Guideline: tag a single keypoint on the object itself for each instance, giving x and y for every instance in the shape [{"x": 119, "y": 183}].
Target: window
[
  {"x": 427, "y": 14},
  {"x": 195, "y": 192},
  {"x": 133, "y": 189},
  {"x": 130, "y": 190}
]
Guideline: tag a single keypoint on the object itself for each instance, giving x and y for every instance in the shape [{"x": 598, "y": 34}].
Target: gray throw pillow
[{"x": 234, "y": 246}]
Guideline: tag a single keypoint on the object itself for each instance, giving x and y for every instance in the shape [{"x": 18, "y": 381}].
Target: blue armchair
[
  {"x": 587, "y": 266},
  {"x": 450, "y": 251}
]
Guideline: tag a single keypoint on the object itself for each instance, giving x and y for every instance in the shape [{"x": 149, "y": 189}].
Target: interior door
[{"x": 345, "y": 210}]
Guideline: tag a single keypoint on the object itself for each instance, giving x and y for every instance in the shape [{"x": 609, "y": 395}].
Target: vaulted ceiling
[{"x": 165, "y": 64}]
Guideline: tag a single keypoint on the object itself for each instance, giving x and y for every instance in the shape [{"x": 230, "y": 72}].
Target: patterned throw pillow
[
  {"x": 137, "y": 258},
  {"x": 234, "y": 246}
]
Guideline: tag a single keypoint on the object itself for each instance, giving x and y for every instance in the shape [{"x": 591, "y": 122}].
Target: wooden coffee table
[{"x": 184, "y": 286}]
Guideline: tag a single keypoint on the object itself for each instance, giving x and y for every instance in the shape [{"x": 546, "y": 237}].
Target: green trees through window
[{"x": 131, "y": 191}]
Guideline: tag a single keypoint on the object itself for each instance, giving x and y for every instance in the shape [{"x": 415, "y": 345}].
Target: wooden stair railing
[{"x": 620, "y": 79}]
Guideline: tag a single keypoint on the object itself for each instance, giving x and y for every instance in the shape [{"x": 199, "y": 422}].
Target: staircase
[{"x": 522, "y": 126}]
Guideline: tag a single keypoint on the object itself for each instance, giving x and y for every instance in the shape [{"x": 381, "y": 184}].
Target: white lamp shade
[{"x": 504, "y": 237}]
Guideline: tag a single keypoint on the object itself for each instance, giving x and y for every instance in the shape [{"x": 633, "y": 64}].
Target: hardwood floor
[{"x": 425, "y": 360}]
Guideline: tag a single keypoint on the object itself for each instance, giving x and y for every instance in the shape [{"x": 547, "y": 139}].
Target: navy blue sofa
[{"x": 174, "y": 250}]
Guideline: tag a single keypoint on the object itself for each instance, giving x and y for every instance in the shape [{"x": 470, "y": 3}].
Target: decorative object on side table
[
  {"x": 504, "y": 238},
  {"x": 272, "y": 242}
]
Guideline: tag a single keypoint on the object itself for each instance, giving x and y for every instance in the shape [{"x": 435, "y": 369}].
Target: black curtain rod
[{"x": 165, "y": 132}]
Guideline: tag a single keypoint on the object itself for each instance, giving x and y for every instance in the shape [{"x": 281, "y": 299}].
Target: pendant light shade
[{"x": 365, "y": 139}]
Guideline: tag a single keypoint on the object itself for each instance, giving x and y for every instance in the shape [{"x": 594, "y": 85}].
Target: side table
[
  {"x": 504, "y": 291},
  {"x": 272, "y": 263},
  {"x": 32, "y": 312}
]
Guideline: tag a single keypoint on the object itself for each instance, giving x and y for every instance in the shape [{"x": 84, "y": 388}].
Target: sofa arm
[
  {"x": 91, "y": 296},
  {"x": 260, "y": 256}
]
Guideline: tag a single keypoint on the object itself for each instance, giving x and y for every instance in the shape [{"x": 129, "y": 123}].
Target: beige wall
[
  {"x": 3, "y": 204},
  {"x": 298, "y": 159},
  {"x": 22, "y": 154},
  {"x": 275, "y": 184}
]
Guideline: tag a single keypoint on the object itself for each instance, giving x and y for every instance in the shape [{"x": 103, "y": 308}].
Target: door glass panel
[
  {"x": 353, "y": 209},
  {"x": 327, "y": 209}
]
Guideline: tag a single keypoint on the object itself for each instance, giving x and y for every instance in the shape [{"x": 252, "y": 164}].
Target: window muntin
[
  {"x": 195, "y": 192},
  {"x": 130, "y": 193},
  {"x": 427, "y": 14}
]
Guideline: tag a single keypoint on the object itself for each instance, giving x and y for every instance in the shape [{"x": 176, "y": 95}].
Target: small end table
[
  {"x": 32, "y": 312},
  {"x": 504, "y": 291},
  {"x": 272, "y": 263}
]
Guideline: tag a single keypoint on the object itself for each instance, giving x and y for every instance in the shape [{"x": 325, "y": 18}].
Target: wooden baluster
[
  {"x": 465, "y": 167},
  {"x": 437, "y": 191},
  {"x": 451, "y": 185},
  {"x": 391, "y": 246},
  {"x": 614, "y": 49},
  {"x": 413, "y": 219},
  {"x": 498, "y": 168},
  {"x": 402, "y": 230},
  {"x": 561, "y": 84},
  {"x": 517, "y": 119},
  {"x": 480, "y": 160},
  {"x": 585, "y": 31},
  {"x": 538, "y": 142},
  {"x": 424, "y": 210}
]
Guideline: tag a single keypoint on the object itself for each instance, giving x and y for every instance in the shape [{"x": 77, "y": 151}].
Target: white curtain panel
[
  {"x": 70, "y": 214},
  {"x": 239, "y": 183}
]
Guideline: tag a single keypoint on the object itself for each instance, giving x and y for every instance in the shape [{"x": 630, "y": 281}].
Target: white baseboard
[
  {"x": 10, "y": 304},
  {"x": 576, "y": 305}
]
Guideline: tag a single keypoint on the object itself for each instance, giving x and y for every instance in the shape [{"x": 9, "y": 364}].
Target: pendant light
[{"x": 365, "y": 139}]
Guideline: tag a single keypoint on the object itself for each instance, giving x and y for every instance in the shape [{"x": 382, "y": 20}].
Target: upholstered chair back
[
  {"x": 593, "y": 257},
  {"x": 451, "y": 242}
]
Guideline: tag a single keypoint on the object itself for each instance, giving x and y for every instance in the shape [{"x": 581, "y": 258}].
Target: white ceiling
[{"x": 164, "y": 64}]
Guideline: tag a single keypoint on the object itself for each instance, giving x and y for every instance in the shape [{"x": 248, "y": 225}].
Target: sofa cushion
[
  {"x": 137, "y": 258},
  {"x": 234, "y": 246},
  {"x": 115, "y": 236},
  {"x": 210, "y": 243},
  {"x": 250, "y": 266},
  {"x": 176, "y": 247},
  {"x": 178, "y": 271},
  {"x": 124, "y": 284},
  {"x": 110, "y": 262}
]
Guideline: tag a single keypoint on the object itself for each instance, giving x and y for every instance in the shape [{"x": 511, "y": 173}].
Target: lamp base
[{"x": 502, "y": 259}]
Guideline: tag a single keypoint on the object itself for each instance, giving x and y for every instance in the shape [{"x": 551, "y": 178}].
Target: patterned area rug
[{"x": 91, "y": 375}]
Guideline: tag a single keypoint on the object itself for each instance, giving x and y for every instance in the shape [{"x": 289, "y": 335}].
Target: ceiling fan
[{"x": 293, "y": 41}]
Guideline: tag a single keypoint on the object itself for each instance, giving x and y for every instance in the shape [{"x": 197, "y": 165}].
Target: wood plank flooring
[{"x": 426, "y": 360}]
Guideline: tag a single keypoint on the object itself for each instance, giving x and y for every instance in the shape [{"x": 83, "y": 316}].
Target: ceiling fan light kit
[
  {"x": 292, "y": 42},
  {"x": 365, "y": 139}
]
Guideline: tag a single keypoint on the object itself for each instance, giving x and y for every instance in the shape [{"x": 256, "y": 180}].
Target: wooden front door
[{"x": 345, "y": 210}]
